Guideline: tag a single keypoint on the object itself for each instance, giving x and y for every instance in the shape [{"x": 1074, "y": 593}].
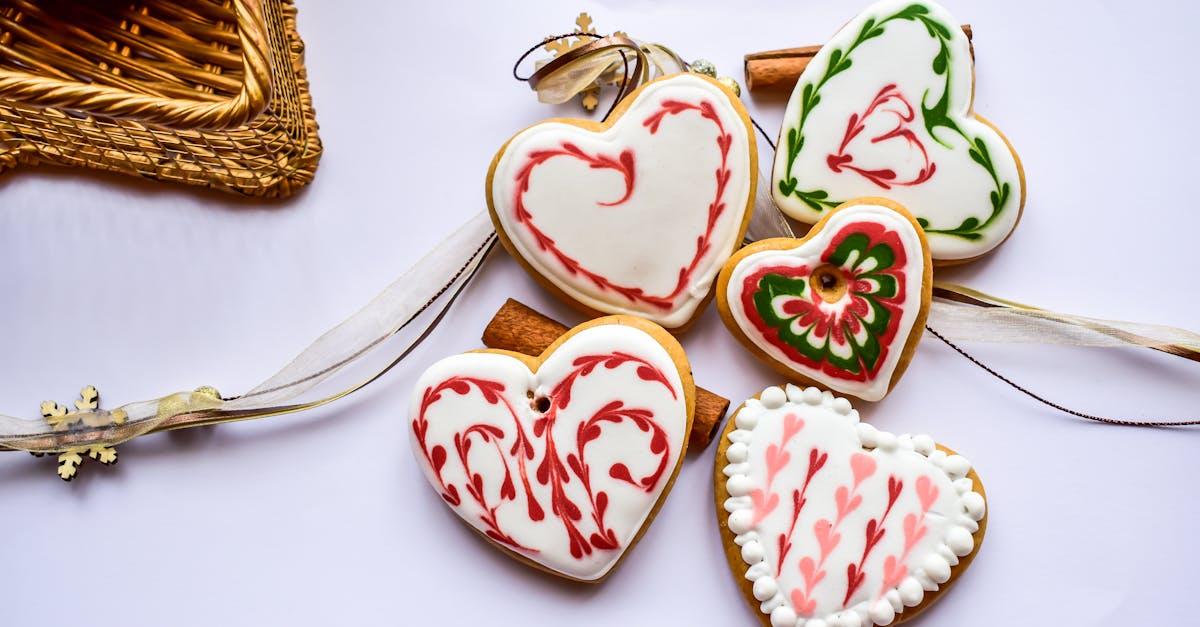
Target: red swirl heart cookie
[
  {"x": 844, "y": 307},
  {"x": 636, "y": 215},
  {"x": 560, "y": 460},
  {"x": 828, "y": 521}
]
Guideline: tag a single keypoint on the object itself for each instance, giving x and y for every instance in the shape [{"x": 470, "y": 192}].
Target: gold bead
[
  {"x": 705, "y": 67},
  {"x": 732, "y": 85},
  {"x": 208, "y": 390}
]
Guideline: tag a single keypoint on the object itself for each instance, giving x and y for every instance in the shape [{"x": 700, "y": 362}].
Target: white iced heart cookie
[
  {"x": 844, "y": 307},
  {"x": 884, "y": 109},
  {"x": 562, "y": 460},
  {"x": 828, "y": 521},
  {"x": 635, "y": 215}
]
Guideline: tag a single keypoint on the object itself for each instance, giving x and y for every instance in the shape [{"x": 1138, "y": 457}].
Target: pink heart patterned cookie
[
  {"x": 828, "y": 521},
  {"x": 844, "y": 307},
  {"x": 635, "y": 215},
  {"x": 561, "y": 460}
]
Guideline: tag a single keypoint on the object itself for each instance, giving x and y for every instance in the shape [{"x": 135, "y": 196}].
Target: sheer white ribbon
[{"x": 432, "y": 280}]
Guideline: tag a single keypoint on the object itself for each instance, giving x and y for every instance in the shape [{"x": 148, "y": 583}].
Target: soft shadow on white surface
[{"x": 325, "y": 518}]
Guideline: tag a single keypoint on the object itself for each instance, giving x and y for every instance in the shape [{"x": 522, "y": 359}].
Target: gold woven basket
[{"x": 204, "y": 92}]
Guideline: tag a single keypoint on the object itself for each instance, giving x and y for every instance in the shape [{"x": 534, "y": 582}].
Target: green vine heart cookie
[
  {"x": 635, "y": 215},
  {"x": 885, "y": 109},
  {"x": 844, "y": 307}
]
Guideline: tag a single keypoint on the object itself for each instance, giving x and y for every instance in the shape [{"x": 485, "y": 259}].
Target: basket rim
[{"x": 180, "y": 113}]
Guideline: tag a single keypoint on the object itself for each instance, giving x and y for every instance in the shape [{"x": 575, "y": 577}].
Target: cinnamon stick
[
  {"x": 517, "y": 327},
  {"x": 780, "y": 69}
]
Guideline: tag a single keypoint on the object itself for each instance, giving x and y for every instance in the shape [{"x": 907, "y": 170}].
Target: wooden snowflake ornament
[
  {"x": 60, "y": 418},
  {"x": 589, "y": 97}
]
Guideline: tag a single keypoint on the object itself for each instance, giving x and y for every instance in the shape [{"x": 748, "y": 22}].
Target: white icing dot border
[{"x": 958, "y": 541}]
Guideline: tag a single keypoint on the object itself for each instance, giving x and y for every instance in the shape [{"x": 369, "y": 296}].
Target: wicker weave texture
[{"x": 204, "y": 92}]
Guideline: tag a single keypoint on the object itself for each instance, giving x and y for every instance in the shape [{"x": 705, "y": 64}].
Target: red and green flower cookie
[{"x": 844, "y": 307}]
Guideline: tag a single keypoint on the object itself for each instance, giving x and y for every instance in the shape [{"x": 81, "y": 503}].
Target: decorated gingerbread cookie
[
  {"x": 828, "y": 521},
  {"x": 635, "y": 215},
  {"x": 561, "y": 460},
  {"x": 885, "y": 109},
  {"x": 844, "y": 307}
]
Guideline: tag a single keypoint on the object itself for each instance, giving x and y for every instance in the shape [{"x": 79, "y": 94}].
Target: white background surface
[{"x": 143, "y": 289}]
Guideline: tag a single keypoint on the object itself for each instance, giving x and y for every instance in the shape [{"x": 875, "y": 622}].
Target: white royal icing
[
  {"x": 852, "y": 314},
  {"x": 612, "y": 389},
  {"x": 870, "y": 118},
  {"x": 627, "y": 256},
  {"x": 927, "y": 503}
]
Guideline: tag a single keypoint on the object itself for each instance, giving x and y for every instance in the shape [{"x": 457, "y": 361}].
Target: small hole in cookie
[
  {"x": 541, "y": 404},
  {"x": 829, "y": 282}
]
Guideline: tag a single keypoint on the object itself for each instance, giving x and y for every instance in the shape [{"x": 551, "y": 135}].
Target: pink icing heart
[
  {"x": 893, "y": 572},
  {"x": 792, "y": 424},
  {"x": 812, "y": 576},
  {"x": 763, "y": 504},
  {"x": 845, "y": 506},
  {"x": 912, "y": 534},
  {"x": 803, "y": 604},
  {"x": 807, "y": 568},
  {"x": 826, "y": 538},
  {"x": 927, "y": 492},
  {"x": 863, "y": 466},
  {"x": 777, "y": 458}
]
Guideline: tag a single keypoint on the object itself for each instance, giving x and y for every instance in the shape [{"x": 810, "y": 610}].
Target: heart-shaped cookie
[
  {"x": 562, "y": 460},
  {"x": 635, "y": 215},
  {"x": 884, "y": 109},
  {"x": 844, "y": 307},
  {"x": 829, "y": 522}
]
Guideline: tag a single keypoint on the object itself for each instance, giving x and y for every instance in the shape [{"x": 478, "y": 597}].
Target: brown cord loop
[
  {"x": 1112, "y": 421},
  {"x": 626, "y": 46},
  {"x": 534, "y": 47}
]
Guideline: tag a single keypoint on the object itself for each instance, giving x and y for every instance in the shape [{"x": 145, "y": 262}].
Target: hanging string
[
  {"x": 1112, "y": 421},
  {"x": 525, "y": 55},
  {"x": 766, "y": 137}
]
